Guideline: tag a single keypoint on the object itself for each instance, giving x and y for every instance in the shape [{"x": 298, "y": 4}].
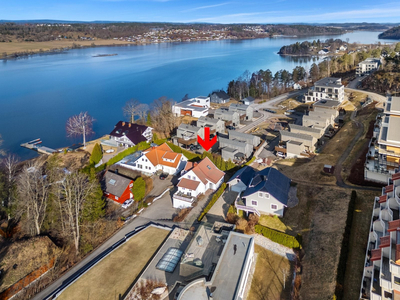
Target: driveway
[{"x": 220, "y": 209}]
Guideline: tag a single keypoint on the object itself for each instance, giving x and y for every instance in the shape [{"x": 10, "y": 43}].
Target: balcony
[
  {"x": 240, "y": 204},
  {"x": 184, "y": 197},
  {"x": 375, "y": 254},
  {"x": 385, "y": 242}
]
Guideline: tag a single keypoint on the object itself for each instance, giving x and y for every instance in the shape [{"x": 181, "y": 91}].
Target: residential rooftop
[
  {"x": 327, "y": 103},
  {"x": 329, "y": 81},
  {"x": 304, "y": 128},
  {"x": 296, "y": 135}
]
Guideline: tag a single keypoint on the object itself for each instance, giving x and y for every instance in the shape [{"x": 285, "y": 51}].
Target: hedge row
[
  {"x": 278, "y": 237},
  {"x": 189, "y": 155},
  {"x": 212, "y": 202},
  {"x": 250, "y": 161}
]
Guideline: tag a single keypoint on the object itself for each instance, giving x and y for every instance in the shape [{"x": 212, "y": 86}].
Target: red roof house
[{"x": 117, "y": 187}]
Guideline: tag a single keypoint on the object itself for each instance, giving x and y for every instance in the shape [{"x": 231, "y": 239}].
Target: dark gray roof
[
  {"x": 328, "y": 81},
  {"x": 251, "y": 99},
  {"x": 245, "y": 174},
  {"x": 304, "y": 128},
  {"x": 134, "y": 132},
  {"x": 114, "y": 184},
  {"x": 327, "y": 103},
  {"x": 302, "y": 136},
  {"x": 271, "y": 181},
  {"x": 222, "y": 95}
]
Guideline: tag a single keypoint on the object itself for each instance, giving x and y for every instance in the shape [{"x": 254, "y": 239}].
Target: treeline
[
  {"x": 392, "y": 33},
  {"x": 310, "y": 48},
  {"x": 263, "y": 82},
  {"x": 303, "y": 30}
]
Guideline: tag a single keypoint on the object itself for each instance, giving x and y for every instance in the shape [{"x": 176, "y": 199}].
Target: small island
[
  {"x": 316, "y": 47},
  {"x": 103, "y": 55}
]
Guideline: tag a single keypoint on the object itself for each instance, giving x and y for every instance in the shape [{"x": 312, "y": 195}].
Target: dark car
[{"x": 163, "y": 176}]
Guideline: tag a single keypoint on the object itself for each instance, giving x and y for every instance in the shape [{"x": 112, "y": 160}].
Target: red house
[{"x": 117, "y": 187}]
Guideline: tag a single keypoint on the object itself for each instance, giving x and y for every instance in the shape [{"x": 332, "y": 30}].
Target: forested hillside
[{"x": 392, "y": 33}]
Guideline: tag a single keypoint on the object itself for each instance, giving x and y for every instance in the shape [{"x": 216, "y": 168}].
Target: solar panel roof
[{"x": 169, "y": 260}]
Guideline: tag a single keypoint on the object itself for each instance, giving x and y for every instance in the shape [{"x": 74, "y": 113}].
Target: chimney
[
  {"x": 123, "y": 123},
  {"x": 129, "y": 124},
  {"x": 116, "y": 171},
  {"x": 195, "y": 164}
]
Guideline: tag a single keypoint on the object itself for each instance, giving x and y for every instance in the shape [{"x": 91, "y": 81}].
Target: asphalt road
[{"x": 269, "y": 105}]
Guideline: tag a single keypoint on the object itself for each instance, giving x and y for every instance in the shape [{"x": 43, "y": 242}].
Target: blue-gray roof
[
  {"x": 245, "y": 174},
  {"x": 271, "y": 181}
]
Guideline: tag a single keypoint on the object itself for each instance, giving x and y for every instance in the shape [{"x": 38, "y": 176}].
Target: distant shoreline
[{"x": 63, "y": 49}]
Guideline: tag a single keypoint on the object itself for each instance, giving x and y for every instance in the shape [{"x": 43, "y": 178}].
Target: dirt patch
[
  {"x": 22, "y": 257},
  {"x": 268, "y": 279}
]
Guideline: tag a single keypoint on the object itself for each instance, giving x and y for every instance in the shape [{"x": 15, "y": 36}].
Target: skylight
[
  {"x": 112, "y": 181},
  {"x": 169, "y": 260}
]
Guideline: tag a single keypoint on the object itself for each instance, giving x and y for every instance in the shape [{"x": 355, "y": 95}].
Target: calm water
[{"x": 39, "y": 93}]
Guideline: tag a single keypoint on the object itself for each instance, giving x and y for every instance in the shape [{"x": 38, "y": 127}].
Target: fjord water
[{"x": 39, "y": 93}]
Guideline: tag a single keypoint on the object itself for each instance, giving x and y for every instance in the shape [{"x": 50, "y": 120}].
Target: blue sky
[{"x": 245, "y": 11}]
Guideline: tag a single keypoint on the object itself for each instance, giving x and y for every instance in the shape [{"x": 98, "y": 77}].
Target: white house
[
  {"x": 196, "y": 179},
  {"x": 195, "y": 107},
  {"x": 128, "y": 134},
  {"x": 154, "y": 159},
  {"x": 326, "y": 88}
]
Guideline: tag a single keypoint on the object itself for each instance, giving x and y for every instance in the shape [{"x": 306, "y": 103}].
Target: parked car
[
  {"x": 280, "y": 154},
  {"x": 230, "y": 127},
  {"x": 163, "y": 176},
  {"x": 127, "y": 203}
]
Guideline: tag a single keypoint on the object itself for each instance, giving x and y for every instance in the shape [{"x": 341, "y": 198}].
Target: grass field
[
  {"x": 45, "y": 46},
  {"x": 113, "y": 275},
  {"x": 267, "y": 282},
  {"x": 273, "y": 222}
]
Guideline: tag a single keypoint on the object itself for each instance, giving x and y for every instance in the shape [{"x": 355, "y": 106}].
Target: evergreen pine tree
[
  {"x": 148, "y": 121},
  {"x": 139, "y": 189},
  {"x": 97, "y": 154}
]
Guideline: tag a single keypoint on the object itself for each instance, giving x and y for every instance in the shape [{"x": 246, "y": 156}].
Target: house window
[
  {"x": 237, "y": 180},
  {"x": 260, "y": 195},
  {"x": 267, "y": 195},
  {"x": 189, "y": 193},
  {"x": 274, "y": 206},
  {"x": 188, "y": 176},
  {"x": 194, "y": 177},
  {"x": 388, "y": 295},
  {"x": 254, "y": 203},
  {"x": 396, "y": 280}
]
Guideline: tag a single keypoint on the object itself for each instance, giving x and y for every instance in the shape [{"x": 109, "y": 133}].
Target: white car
[
  {"x": 280, "y": 154},
  {"x": 127, "y": 203}
]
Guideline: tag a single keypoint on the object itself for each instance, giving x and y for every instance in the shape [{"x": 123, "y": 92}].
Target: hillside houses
[
  {"x": 245, "y": 111},
  {"x": 116, "y": 187},
  {"x": 238, "y": 146},
  {"x": 231, "y": 118},
  {"x": 215, "y": 125},
  {"x": 302, "y": 140},
  {"x": 196, "y": 179}
]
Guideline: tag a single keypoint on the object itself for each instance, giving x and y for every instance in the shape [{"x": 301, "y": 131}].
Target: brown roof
[
  {"x": 389, "y": 188},
  {"x": 188, "y": 184},
  {"x": 206, "y": 170},
  {"x": 383, "y": 199},
  {"x": 396, "y": 176},
  {"x": 156, "y": 154}
]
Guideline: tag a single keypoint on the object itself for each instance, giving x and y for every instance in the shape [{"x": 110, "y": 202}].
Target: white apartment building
[
  {"x": 381, "y": 275},
  {"x": 383, "y": 157},
  {"x": 367, "y": 66},
  {"x": 326, "y": 88}
]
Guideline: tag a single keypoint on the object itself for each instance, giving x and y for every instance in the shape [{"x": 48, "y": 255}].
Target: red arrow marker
[{"x": 207, "y": 143}]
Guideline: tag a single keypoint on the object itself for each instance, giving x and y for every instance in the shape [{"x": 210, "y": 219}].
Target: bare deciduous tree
[
  {"x": 142, "y": 110},
  {"x": 33, "y": 192},
  {"x": 131, "y": 109},
  {"x": 10, "y": 169},
  {"x": 81, "y": 124},
  {"x": 162, "y": 116},
  {"x": 76, "y": 189}
]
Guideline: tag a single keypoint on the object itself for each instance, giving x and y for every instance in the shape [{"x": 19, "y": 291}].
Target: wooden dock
[{"x": 36, "y": 146}]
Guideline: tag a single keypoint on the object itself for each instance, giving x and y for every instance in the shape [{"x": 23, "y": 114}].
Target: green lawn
[
  {"x": 273, "y": 222},
  {"x": 114, "y": 274}
]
